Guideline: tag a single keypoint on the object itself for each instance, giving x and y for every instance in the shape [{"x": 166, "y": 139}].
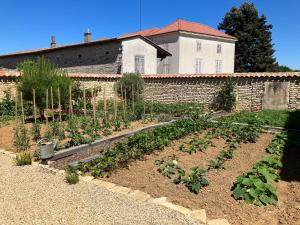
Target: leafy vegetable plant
[{"x": 196, "y": 180}]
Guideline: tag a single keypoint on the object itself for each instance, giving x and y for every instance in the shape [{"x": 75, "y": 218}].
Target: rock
[
  {"x": 218, "y": 222},
  {"x": 87, "y": 178},
  {"x": 120, "y": 189},
  {"x": 139, "y": 195},
  {"x": 103, "y": 184},
  {"x": 199, "y": 215}
]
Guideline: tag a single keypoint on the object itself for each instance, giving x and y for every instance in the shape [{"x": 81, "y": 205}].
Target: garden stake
[
  {"x": 34, "y": 105},
  {"x": 132, "y": 99},
  {"x": 46, "y": 114},
  {"x": 94, "y": 105},
  {"x": 70, "y": 102},
  {"x": 84, "y": 102},
  {"x": 123, "y": 102},
  {"x": 52, "y": 105},
  {"x": 59, "y": 105},
  {"x": 23, "y": 117},
  {"x": 104, "y": 98},
  {"x": 16, "y": 105},
  {"x": 115, "y": 103}
]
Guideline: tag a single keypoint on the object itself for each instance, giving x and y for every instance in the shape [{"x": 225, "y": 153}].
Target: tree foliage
[
  {"x": 254, "y": 48},
  {"x": 129, "y": 81},
  {"x": 226, "y": 97},
  {"x": 42, "y": 75}
]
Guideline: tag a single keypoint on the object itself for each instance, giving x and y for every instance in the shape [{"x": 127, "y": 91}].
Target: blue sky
[{"x": 29, "y": 24}]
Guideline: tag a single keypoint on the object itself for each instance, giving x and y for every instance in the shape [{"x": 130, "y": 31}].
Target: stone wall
[
  {"x": 93, "y": 58},
  {"x": 250, "y": 89},
  {"x": 250, "y": 92}
]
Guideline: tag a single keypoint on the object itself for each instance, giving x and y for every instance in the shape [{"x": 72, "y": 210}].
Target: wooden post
[
  {"x": 132, "y": 99},
  {"x": 70, "y": 101},
  {"x": 94, "y": 105},
  {"x": 22, "y": 108},
  {"x": 16, "y": 106},
  {"x": 151, "y": 110},
  {"x": 59, "y": 105},
  {"x": 115, "y": 103},
  {"x": 84, "y": 102},
  {"x": 104, "y": 99},
  {"x": 46, "y": 114},
  {"x": 34, "y": 105},
  {"x": 123, "y": 103},
  {"x": 52, "y": 104}
]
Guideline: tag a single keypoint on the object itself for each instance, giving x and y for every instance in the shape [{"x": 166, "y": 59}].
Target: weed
[{"x": 23, "y": 158}]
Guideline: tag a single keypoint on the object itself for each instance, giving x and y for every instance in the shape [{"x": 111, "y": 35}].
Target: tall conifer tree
[{"x": 254, "y": 49}]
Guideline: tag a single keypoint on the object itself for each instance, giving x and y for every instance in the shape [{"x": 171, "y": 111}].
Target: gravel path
[{"x": 33, "y": 195}]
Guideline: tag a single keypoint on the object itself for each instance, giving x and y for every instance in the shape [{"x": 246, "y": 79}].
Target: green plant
[
  {"x": 278, "y": 144},
  {"x": 167, "y": 167},
  {"x": 7, "y": 104},
  {"x": 129, "y": 81},
  {"x": 71, "y": 175},
  {"x": 23, "y": 158},
  {"x": 226, "y": 98},
  {"x": 117, "y": 124},
  {"x": 36, "y": 131},
  {"x": 196, "y": 180},
  {"x": 21, "y": 139},
  {"x": 57, "y": 130},
  {"x": 40, "y": 76}
]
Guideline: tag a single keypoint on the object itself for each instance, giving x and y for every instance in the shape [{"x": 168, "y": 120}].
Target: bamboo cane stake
[
  {"x": 59, "y": 105},
  {"x": 16, "y": 106},
  {"x": 70, "y": 101},
  {"x": 104, "y": 99},
  {"x": 94, "y": 105},
  {"x": 84, "y": 102},
  {"x": 22, "y": 108},
  {"x": 46, "y": 114},
  {"x": 52, "y": 104},
  {"x": 34, "y": 105},
  {"x": 123, "y": 102},
  {"x": 132, "y": 89},
  {"x": 115, "y": 103}
]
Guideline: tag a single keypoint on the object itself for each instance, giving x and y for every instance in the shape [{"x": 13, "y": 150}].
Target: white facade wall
[
  {"x": 137, "y": 46},
  {"x": 183, "y": 47},
  {"x": 208, "y": 54},
  {"x": 170, "y": 43}
]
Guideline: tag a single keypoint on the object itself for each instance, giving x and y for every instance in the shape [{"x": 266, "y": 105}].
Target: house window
[
  {"x": 166, "y": 68},
  {"x": 219, "y": 48},
  {"x": 199, "y": 46},
  {"x": 218, "y": 66},
  {"x": 139, "y": 64},
  {"x": 198, "y": 65}
]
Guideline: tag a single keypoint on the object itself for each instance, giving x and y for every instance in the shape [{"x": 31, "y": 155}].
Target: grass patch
[{"x": 275, "y": 118}]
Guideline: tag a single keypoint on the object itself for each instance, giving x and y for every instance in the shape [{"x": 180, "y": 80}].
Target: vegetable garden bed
[{"x": 197, "y": 164}]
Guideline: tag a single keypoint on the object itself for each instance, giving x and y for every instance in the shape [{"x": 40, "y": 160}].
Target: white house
[{"x": 195, "y": 48}]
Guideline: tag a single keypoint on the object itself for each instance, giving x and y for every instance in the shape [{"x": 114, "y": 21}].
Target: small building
[
  {"x": 133, "y": 53},
  {"x": 195, "y": 48}
]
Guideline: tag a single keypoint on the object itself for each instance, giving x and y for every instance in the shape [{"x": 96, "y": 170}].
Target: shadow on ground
[{"x": 291, "y": 154}]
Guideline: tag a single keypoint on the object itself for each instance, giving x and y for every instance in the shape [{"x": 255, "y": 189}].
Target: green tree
[
  {"x": 282, "y": 68},
  {"x": 129, "y": 81},
  {"x": 254, "y": 48},
  {"x": 42, "y": 75}
]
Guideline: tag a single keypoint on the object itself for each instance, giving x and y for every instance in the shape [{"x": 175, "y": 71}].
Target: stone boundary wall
[{"x": 251, "y": 90}]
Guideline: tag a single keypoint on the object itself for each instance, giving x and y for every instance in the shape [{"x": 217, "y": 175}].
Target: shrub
[
  {"x": 71, "y": 175},
  {"x": 128, "y": 81},
  {"x": 42, "y": 75},
  {"x": 7, "y": 105},
  {"x": 36, "y": 131},
  {"x": 21, "y": 139},
  {"x": 226, "y": 98},
  {"x": 23, "y": 159}
]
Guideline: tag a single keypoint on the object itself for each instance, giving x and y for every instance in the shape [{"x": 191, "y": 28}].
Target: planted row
[
  {"x": 257, "y": 185},
  {"x": 141, "y": 144}
]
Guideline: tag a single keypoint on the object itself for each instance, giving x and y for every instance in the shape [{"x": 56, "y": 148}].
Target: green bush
[
  {"x": 21, "y": 138},
  {"x": 23, "y": 159},
  {"x": 129, "y": 81},
  {"x": 226, "y": 98},
  {"x": 42, "y": 75},
  {"x": 7, "y": 105},
  {"x": 71, "y": 175},
  {"x": 36, "y": 131}
]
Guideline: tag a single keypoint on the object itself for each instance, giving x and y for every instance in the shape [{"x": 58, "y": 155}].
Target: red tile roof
[{"x": 186, "y": 26}]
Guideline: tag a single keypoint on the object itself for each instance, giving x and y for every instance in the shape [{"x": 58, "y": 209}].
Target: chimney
[
  {"x": 87, "y": 36},
  {"x": 53, "y": 42}
]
